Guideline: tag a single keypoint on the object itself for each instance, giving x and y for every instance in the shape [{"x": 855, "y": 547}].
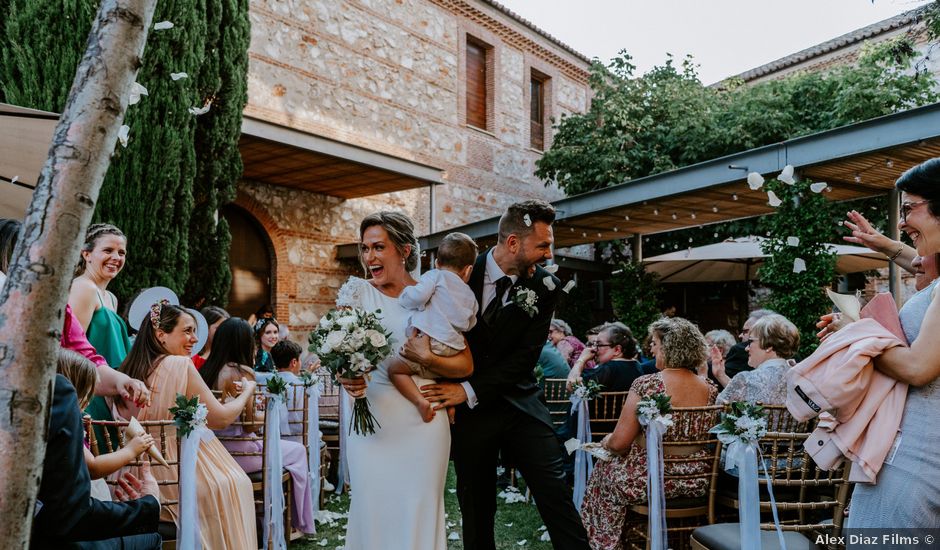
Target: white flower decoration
[{"x": 526, "y": 299}]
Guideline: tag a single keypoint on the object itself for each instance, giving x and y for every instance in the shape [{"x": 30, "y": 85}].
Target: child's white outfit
[{"x": 444, "y": 308}]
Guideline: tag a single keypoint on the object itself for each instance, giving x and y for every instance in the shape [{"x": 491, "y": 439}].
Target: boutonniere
[{"x": 526, "y": 298}]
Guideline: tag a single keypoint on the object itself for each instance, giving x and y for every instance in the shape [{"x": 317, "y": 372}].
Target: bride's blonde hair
[{"x": 401, "y": 231}]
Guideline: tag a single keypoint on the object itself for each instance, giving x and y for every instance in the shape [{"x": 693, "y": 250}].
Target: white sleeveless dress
[{"x": 397, "y": 474}]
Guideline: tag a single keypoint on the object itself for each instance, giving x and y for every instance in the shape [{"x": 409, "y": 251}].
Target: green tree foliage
[
  {"x": 223, "y": 78},
  {"x": 174, "y": 160},
  {"x": 635, "y": 294},
  {"x": 800, "y": 297}
]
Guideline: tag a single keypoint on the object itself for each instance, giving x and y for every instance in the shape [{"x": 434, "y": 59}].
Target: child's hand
[
  {"x": 426, "y": 410},
  {"x": 451, "y": 412},
  {"x": 140, "y": 443}
]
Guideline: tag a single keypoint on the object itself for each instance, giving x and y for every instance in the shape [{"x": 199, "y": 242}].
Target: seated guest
[
  {"x": 615, "y": 485},
  {"x": 552, "y": 363},
  {"x": 615, "y": 352},
  {"x": 736, "y": 357},
  {"x": 230, "y": 362},
  {"x": 160, "y": 356},
  {"x": 66, "y": 516},
  {"x": 774, "y": 341},
  {"x": 567, "y": 344},
  {"x": 267, "y": 333},
  {"x": 720, "y": 340},
  {"x": 214, "y": 316},
  {"x": 286, "y": 357}
]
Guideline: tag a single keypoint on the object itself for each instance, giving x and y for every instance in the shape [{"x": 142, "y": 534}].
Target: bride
[{"x": 397, "y": 474}]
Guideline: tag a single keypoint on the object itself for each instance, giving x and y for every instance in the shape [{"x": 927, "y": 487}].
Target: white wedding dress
[{"x": 397, "y": 474}]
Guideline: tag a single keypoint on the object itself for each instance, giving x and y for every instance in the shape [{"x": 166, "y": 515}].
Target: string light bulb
[
  {"x": 889, "y": 163},
  {"x": 734, "y": 196},
  {"x": 656, "y": 211},
  {"x": 675, "y": 216},
  {"x": 627, "y": 218},
  {"x": 715, "y": 208},
  {"x": 693, "y": 215},
  {"x": 858, "y": 178}
]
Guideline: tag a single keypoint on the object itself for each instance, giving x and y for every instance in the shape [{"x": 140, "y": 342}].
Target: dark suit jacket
[
  {"x": 68, "y": 513},
  {"x": 505, "y": 354},
  {"x": 736, "y": 359}
]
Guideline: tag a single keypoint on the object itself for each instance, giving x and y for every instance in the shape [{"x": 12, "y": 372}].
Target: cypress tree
[
  {"x": 174, "y": 160},
  {"x": 223, "y": 76}
]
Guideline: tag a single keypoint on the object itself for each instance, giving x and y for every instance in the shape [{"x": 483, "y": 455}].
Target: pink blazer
[
  {"x": 864, "y": 406},
  {"x": 73, "y": 338}
]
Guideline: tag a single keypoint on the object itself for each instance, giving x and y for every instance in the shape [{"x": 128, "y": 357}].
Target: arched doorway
[{"x": 251, "y": 262}]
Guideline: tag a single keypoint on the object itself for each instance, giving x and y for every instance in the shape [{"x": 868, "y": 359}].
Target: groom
[{"x": 499, "y": 408}]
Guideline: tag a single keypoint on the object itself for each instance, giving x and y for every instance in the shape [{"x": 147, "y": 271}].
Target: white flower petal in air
[
  {"x": 799, "y": 265},
  {"x": 163, "y": 25},
  {"x": 522, "y": 542},
  {"x": 818, "y": 187},
  {"x": 453, "y": 536},
  {"x": 178, "y": 76},
  {"x": 551, "y": 268},
  {"x": 15, "y": 179},
  {"x": 137, "y": 90},
  {"x": 508, "y": 524},
  {"x": 543, "y": 528},
  {"x": 787, "y": 175},
  {"x": 773, "y": 199},
  {"x": 549, "y": 283},
  {"x": 793, "y": 241},
  {"x": 545, "y": 537},
  {"x": 123, "y": 134},
  {"x": 200, "y": 110},
  {"x": 572, "y": 445},
  {"x": 323, "y": 542},
  {"x": 527, "y": 220},
  {"x": 571, "y": 284},
  {"x": 755, "y": 181}
]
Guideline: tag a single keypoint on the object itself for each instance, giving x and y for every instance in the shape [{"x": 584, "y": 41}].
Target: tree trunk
[{"x": 33, "y": 298}]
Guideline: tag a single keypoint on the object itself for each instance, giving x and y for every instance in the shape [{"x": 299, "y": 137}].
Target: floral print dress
[{"x": 619, "y": 483}]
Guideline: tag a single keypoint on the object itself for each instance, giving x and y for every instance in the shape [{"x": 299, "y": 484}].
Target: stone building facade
[{"x": 389, "y": 77}]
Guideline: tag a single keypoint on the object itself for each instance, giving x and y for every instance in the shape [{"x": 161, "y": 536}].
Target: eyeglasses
[
  {"x": 906, "y": 208},
  {"x": 599, "y": 345}
]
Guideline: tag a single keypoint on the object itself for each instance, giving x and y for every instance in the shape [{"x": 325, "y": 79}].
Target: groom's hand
[{"x": 444, "y": 394}]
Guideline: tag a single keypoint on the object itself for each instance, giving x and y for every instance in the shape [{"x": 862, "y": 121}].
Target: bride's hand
[
  {"x": 418, "y": 349},
  {"x": 355, "y": 387}
]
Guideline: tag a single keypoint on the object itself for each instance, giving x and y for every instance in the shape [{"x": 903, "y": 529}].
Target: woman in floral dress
[{"x": 617, "y": 484}]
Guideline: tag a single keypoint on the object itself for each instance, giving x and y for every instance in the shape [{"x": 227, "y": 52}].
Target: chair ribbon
[
  {"x": 345, "y": 415},
  {"x": 583, "y": 462},
  {"x": 655, "y": 489},
  {"x": 313, "y": 443},
  {"x": 273, "y": 464},
  {"x": 746, "y": 455},
  {"x": 188, "y": 535}
]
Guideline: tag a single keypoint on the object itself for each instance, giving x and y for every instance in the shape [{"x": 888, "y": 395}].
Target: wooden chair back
[
  {"x": 329, "y": 410},
  {"x": 557, "y": 399},
  {"x": 605, "y": 411},
  {"x": 689, "y": 434}
]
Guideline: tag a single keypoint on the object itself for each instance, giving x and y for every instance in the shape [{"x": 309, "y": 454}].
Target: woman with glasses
[
  {"x": 907, "y": 491},
  {"x": 615, "y": 351}
]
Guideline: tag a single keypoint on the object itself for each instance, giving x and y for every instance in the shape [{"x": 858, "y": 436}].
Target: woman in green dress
[{"x": 103, "y": 256}]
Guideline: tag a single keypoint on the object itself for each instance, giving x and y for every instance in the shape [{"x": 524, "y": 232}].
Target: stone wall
[{"x": 388, "y": 75}]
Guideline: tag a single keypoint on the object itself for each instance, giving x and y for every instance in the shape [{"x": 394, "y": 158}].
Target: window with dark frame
[
  {"x": 476, "y": 83},
  {"x": 537, "y": 112}
]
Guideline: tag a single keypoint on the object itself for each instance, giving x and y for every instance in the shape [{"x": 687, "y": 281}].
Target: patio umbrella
[
  {"x": 738, "y": 260},
  {"x": 25, "y": 136}
]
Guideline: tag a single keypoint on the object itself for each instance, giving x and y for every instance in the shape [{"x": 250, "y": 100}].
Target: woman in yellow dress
[{"x": 161, "y": 358}]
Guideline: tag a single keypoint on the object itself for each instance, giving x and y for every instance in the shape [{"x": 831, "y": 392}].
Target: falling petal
[
  {"x": 323, "y": 542},
  {"x": 15, "y": 179},
  {"x": 178, "y": 76},
  {"x": 545, "y": 537},
  {"x": 453, "y": 536},
  {"x": 123, "y": 134},
  {"x": 572, "y": 445},
  {"x": 527, "y": 220},
  {"x": 773, "y": 199},
  {"x": 799, "y": 265},
  {"x": 508, "y": 524},
  {"x": 755, "y": 181},
  {"x": 787, "y": 175},
  {"x": 571, "y": 284},
  {"x": 793, "y": 241},
  {"x": 818, "y": 187},
  {"x": 163, "y": 25},
  {"x": 137, "y": 90},
  {"x": 551, "y": 268},
  {"x": 200, "y": 111},
  {"x": 543, "y": 528},
  {"x": 522, "y": 542},
  {"x": 452, "y": 491},
  {"x": 549, "y": 283}
]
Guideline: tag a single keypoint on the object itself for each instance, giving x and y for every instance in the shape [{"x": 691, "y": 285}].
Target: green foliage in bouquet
[
  {"x": 277, "y": 386},
  {"x": 746, "y": 421},
  {"x": 587, "y": 390},
  {"x": 188, "y": 414}
]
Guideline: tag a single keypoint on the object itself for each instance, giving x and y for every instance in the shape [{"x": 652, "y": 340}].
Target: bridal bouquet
[{"x": 350, "y": 343}]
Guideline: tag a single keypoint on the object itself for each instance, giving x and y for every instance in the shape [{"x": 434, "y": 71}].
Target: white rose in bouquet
[
  {"x": 376, "y": 338},
  {"x": 346, "y": 321},
  {"x": 335, "y": 339},
  {"x": 357, "y": 339}
]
